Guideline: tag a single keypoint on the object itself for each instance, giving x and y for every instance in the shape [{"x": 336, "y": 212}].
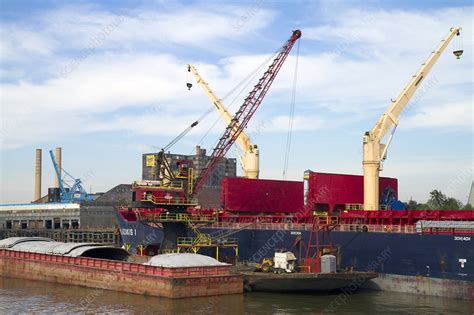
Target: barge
[{"x": 69, "y": 264}]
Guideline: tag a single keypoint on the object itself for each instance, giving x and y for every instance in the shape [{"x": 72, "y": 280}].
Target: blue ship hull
[
  {"x": 427, "y": 255},
  {"x": 438, "y": 256}
]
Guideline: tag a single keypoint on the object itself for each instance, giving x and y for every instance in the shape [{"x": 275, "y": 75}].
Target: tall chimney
[
  {"x": 38, "y": 175},
  {"x": 58, "y": 163}
]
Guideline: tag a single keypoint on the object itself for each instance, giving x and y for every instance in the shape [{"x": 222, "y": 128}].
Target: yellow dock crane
[
  {"x": 374, "y": 152},
  {"x": 249, "y": 160}
]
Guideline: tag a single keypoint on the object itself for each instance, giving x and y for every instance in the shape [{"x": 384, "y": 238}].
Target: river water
[{"x": 23, "y": 296}]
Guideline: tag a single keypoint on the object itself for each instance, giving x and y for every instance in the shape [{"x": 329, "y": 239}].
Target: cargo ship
[
  {"x": 426, "y": 252},
  {"x": 417, "y": 251}
]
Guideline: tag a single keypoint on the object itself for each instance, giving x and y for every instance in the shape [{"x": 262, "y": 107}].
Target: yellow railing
[
  {"x": 227, "y": 241},
  {"x": 190, "y": 180},
  {"x": 194, "y": 241},
  {"x": 309, "y": 227},
  {"x": 205, "y": 240},
  {"x": 377, "y": 228},
  {"x": 161, "y": 185},
  {"x": 170, "y": 251},
  {"x": 202, "y": 239},
  {"x": 324, "y": 219},
  {"x": 354, "y": 206},
  {"x": 168, "y": 201},
  {"x": 178, "y": 217},
  {"x": 175, "y": 185}
]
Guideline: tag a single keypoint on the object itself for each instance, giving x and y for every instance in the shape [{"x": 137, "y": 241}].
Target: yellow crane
[
  {"x": 374, "y": 152},
  {"x": 250, "y": 158}
]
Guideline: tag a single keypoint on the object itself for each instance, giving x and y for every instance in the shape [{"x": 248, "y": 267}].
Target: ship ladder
[{"x": 200, "y": 239}]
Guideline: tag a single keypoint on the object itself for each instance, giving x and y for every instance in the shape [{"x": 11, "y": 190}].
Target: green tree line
[{"x": 439, "y": 201}]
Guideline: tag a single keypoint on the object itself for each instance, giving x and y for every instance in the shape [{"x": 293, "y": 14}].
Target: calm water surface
[{"x": 22, "y": 296}]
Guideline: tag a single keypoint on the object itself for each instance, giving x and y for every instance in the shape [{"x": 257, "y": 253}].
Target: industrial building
[
  {"x": 97, "y": 214},
  {"x": 39, "y": 216},
  {"x": 54, "y": 211},
  {"x": 226, "y": 167},
  {"x": 66, "y": 206}
]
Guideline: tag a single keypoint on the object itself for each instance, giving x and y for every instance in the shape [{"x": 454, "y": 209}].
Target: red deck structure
[
  {"x": 333, "y": 192},
  {"x": 261, "y": 195}
]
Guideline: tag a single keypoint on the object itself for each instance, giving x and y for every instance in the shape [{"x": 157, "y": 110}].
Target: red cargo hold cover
[
  {"x": 340, "y": 189},
  {"x": 262, "y": 195}
]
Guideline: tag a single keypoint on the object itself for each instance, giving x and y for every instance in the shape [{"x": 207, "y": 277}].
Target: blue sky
[{"x": 105, "y": 80}]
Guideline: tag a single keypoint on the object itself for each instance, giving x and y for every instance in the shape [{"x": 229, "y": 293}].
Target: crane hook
[
  {"x": 458, "y": 53},
  {"x": 189, "y": 84}
]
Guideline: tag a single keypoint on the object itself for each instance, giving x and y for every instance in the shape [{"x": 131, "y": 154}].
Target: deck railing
[{"x": 406, "y": 229}]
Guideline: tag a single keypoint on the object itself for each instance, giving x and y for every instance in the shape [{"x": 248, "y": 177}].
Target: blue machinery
[
  {"x": 390, "y": 202},
  {"x": 67, "y": 192}
]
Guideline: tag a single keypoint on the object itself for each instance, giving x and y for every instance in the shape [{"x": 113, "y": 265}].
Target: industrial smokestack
[
  {"x": 38, "y": 175},
  {"x": 58, "y": 163}
]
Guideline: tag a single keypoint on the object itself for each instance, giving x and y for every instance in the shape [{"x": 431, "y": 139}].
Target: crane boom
[
  {"x": 250, "y": 160},
  {"x": 71, "y": 193},
  {"x": 58, "y": 173},
  {"x": 246, "y": 111},
  {"x": 374, "y": 152}
]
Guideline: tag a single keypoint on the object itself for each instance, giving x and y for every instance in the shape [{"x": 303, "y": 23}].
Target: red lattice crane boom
[{"x": 246, "y": 111}]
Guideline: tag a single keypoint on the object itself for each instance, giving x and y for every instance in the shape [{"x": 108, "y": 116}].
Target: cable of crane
[
  {"x": 249, "y": 79},
  {"x": 292, "y": 114},
  {"x": 187, "y": 130},
  {"x": 203, "y": 116},
  {"x": 458, "y": 44},
  {"x": 244, "y": 85}
]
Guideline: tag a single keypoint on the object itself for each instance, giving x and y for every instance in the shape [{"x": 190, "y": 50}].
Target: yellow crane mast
[
  {"x": 374, "y": 152},
  {"x": 250, "y": 158}
]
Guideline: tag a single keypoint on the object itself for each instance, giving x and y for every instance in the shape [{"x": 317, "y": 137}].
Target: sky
[{"x": 106, "y": 81}]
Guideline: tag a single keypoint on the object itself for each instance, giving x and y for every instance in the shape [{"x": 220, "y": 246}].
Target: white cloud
[
  {"x": 451, "y": 116},
  {"x": 19, "y": 44},
  {"x": 300, "y": 123},
  {"x": 106, "y": 69},
  {"x": 371, "y": 55},
  {"x": 83, "y": 27},
  {"x": 118, "y": 77},
  {"x": 152, "y": 84},
  {"x": 149, "y": 124},
  {"x": 132, "y": 82},
  {"x": 417, "y": 177},
  {"x": 389, "y": 32},
  {"x": 102, "y": 83}
]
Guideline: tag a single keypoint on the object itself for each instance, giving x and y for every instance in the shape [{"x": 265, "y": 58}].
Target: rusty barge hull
[{"x": 120, "y": 276}]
